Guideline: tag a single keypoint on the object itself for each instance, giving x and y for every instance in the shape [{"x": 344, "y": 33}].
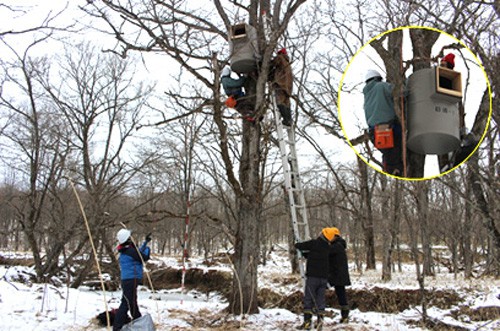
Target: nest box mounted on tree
[
  {"x": 244, "y": 48},
  {"x": 433, "y": 113}
]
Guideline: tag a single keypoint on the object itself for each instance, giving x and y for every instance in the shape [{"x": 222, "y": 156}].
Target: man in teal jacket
[
  {"x": 379, "y": 110},
  {"x": 234, "y": 89}
]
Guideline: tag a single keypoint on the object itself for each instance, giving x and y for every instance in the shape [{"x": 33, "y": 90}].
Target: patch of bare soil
[
  {"x": 206, "y": 319},
  {"x": 386, "y": 300},
  {"x": 477, "y": 314},
  {"x": 26, "y": 262},
  {"x": 434, "y": 324},
  {"x": 201, "y": 280},
  {"x": 375, "y": 299}
]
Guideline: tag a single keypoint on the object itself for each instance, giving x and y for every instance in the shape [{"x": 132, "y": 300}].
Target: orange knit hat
[{"x": 330, "y": 233}]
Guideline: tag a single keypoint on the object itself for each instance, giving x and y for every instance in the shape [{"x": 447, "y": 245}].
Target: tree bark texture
[
  {"x": 422, "y": 197},
  {"x": 481, "y": 203},
  {"x": 244, "y": 295},
  {"x": 367, "y": 215}
]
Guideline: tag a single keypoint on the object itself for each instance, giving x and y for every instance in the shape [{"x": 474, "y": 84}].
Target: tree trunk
[
  {"x": 386, "y": 246},
  {"x": 413, "y": 236},
  {"x": 467, "y": 251},
  {"x": 246, "y": 256},
  {"x": 292, "y": 252},
  {"x": 484, "y": 208},
  {"x": 367, "y": 215},
  {"x": 29, "y": 232},
  {"x": 392, "y": 230},
  {"x": 422, "y": 195}
]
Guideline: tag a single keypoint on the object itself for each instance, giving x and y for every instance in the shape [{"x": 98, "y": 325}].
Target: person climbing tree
[
  {"x": 381, "y": 119},
  {"x": 338, "y": 272},
  {"x": 316, "y": 251},
  {"x": 130, "y": 274},
  {"x": 281, "y": 78},
  {"x": 236, "y": 97},
  {"x": 468, "y": 141},
  {"x": 448, "y": 61}
]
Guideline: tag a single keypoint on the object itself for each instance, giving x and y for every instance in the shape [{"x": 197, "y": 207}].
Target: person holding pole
[{"x": 131, "y": 268}]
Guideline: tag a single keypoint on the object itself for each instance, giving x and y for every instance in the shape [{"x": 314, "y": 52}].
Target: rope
[
  {"x": 403, "y": 119},
  {"x": 108, "y": 322}
]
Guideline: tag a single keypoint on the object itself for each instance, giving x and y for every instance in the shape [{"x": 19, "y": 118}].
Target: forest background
[{"x": 79, "y": 106}]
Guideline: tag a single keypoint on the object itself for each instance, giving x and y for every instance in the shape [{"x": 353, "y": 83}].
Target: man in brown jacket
[{"x": 282, "y": 80}]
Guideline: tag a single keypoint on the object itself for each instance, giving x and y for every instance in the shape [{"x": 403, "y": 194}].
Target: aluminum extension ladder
[
  {"x": 292, "y": 179},
  {"x": 290, "y": 166}
]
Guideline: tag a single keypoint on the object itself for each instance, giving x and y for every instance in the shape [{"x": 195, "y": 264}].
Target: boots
[
  {"x": 344, "y": 314},
  {"x": 286, "y": 115},
  {"x": 319, "y": 323},
  {"x": 307, "y": 322}
]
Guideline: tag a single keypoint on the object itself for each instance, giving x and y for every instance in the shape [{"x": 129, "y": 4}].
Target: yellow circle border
[{"x": 477, "y": 61}]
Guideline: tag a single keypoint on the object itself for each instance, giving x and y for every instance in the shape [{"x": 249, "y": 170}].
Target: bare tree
[
  {"x": 36, "y": 150},
  {"x": 102, "y": 108},
  {"x": 44, "y": 28},
  {"x": 193, "y": 37}
]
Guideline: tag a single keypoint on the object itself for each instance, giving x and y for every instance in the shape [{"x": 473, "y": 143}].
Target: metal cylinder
[
  {"x": 433, "y": 114},
  {"x": 244, "y": 48}
]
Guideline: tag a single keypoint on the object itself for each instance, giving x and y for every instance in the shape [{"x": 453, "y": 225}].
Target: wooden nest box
[{"x": 449, "y": 83}]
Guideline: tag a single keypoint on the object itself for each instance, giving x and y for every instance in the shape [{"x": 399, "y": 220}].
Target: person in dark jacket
[
  {"x": 236, "y": 97},
  {"x": 231, "y": 86},
  {"x": 338, "y": 272},
  {"x": 379, "y": 111},
  {"x": 316, "y": 251},
  {"x": 131, "y": 269},
  {"x": 282, "y": 82}
]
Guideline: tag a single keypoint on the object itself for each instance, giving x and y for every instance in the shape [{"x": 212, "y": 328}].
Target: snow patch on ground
[{"x": 45, "y": 307}]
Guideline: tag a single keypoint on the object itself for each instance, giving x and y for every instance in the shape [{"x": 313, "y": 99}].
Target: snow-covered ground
[{"x": 26, "y": 306}]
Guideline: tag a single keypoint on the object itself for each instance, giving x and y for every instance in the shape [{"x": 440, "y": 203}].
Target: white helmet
[
  {"x": 372, "y": 74},
  {"x": 226, "y": 71},
  {"x": 123, "y": 235}
]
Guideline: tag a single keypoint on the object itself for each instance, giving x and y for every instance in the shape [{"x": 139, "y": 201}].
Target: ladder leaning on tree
[
  {"x": 292, "y": 179},
  {"x": 291, "y": 173}
]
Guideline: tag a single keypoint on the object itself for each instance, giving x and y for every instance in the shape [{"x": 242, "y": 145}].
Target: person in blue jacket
[
  {"x": 379, "y": 110},
  {"x": 131, "y": 269}
]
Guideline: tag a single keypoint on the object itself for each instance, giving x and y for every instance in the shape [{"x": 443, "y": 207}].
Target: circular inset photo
[{"x": 414, "y": 103}]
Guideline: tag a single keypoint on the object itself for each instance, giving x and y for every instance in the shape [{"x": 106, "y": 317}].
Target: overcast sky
[{"x": 31, "y": 12}]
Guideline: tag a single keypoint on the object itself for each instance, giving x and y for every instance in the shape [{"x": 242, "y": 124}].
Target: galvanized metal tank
[
  {"x": 244, "y": 48},
  {"x": 433, "y": 112}
]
